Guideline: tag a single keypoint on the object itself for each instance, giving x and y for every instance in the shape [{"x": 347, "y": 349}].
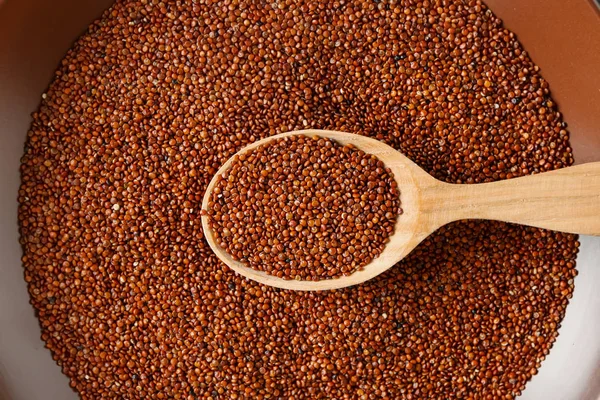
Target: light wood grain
[{"x": 567, "y": 200}]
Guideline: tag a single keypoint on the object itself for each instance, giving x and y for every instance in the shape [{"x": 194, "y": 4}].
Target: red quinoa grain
[
  {"x": 304, "y": 208},
  {"x": 150, "y": 102}
]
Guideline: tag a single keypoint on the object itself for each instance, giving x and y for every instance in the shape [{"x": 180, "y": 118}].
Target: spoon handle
[{"x": 565, "y": 200}]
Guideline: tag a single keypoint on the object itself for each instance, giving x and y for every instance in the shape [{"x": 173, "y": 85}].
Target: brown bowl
[{"x": 563, "y": 38}]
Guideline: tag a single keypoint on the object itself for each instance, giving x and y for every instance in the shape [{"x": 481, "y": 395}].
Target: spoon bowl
[{"x": 567, "y": 200}]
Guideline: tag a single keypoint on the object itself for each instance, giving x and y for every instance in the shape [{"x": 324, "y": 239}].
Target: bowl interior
[{"x": 562, "y": 38}]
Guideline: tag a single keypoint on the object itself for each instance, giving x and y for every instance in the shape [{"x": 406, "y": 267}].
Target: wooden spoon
[{"x": 566, "y": 200}]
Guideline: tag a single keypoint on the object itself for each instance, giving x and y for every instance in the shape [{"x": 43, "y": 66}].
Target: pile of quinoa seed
[
  {"x": 304, "y": 208},
  {"x": 155, "y": 96}
]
